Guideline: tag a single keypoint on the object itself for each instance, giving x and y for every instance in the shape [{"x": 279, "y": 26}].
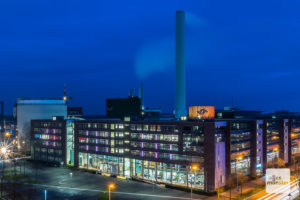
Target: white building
[{"x": 27, "y": 110}]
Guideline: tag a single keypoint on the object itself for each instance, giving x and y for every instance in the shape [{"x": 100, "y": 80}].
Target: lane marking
[{"x": 95, "y": 190}]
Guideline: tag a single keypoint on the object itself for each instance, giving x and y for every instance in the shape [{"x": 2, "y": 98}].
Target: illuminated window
[
  {"x": 158, "y": 128},
  {"x": 132, "y": 127},
  {"x": 112, "y": 126},
  {"x": 139, "y": 127},
  {"x": 121, "y": 126},
  {"x": 146, "y": 127},
  {"x": 112, "y": 143},
  {"x": 152, "y": 128}
]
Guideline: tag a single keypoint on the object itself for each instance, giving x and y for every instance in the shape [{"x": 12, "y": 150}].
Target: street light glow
[
  {"x": 194, "y": 167},
  {"x": 7, "y": 134},
  {"x": 3, "y": 150},
  {"x": 111, "y": 186}
]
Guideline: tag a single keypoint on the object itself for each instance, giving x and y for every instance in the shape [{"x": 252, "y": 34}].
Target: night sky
[{"x": 102, "y": 48}]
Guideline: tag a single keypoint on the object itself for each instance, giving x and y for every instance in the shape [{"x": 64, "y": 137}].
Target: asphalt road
[{"x": 71, "y": 184}]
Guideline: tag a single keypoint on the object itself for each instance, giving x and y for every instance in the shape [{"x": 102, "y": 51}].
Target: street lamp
[
  {"x": 193, "y": 168},
  {"x": 274, "y": 152},
  {"x": 3, "y": 150},
  {"x": 239, "y": 158},
  {"x": 7, "y": 134},
  {"x": 110, "y": 187}
]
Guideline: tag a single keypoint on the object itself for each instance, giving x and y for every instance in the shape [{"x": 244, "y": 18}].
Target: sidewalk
[{"x": 248, "y": 186}]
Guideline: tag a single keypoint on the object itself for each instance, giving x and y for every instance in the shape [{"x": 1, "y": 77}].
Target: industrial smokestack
[
  {"x": 141, "y": 95},
  {"x": 131, "y": 93},
  {"x": 180, "y": 107}
]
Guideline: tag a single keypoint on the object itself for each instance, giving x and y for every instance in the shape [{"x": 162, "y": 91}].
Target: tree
[
  {"x": 242, "y": 179},
  {"x": 280, "y": 163}
]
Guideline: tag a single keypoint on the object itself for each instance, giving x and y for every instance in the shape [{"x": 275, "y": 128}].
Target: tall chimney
[
  {"x": 131, "y": 93},
  {"x": 141, "y": 95},
  {"x": 180, "y": 107}
]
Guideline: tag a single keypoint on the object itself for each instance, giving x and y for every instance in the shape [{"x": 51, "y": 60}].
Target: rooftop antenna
[
  {"x": 65, "y": 97},
  {"x": 232, "y": 106},
  {"x": 65, "y": 92}
]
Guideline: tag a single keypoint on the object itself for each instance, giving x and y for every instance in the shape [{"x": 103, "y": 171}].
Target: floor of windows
[{"x": 146, "y": 170}]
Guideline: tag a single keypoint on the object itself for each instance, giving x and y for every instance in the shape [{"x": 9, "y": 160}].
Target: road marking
[
  {"x": 5, "y": 160},
  {"x": 94, "y": 190},
  {"x": 255, "y": 194}
]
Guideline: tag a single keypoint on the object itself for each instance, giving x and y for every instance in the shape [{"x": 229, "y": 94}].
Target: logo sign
[
  {"x": 278, "y": 180},
  {"x": 201, "y": 112}
]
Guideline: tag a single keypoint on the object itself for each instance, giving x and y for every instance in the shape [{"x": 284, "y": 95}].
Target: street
[{"x": 66, "y": 183}]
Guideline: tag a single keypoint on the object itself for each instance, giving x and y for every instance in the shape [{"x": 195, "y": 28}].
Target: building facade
[
  {"x": 48, "y": 141},
  {"x": 165, "y": 151},
  {"x": 155, "y": 151},
  {"x": 26, "y": 110}
]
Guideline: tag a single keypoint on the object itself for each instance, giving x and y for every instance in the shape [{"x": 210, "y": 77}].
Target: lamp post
[
  {"x": 110, "y": 187},
  {"x": 45, "y": 192},
  {"x": 3, "y": 151},
  {"x": 274, "y": 152},
  {"x": 7, "y": 134},
  {"x": 193, "y": 168},
  {"x": 239, "y": 158}
]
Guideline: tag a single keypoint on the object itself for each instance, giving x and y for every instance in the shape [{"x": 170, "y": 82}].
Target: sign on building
[
  {"x": 278, "y": 180},
  {"x": 201, "y": 112}
]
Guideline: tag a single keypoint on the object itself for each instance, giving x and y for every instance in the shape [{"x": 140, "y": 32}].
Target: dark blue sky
[{"x": 246, "y": 49}]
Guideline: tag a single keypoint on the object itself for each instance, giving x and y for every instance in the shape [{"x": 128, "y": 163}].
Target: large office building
[
  {"x": 27, "y": 109},
  {"x": 156, "y": 151},
  {"x": 164, "y": 151},
  {"x": 48, "y": 140}
]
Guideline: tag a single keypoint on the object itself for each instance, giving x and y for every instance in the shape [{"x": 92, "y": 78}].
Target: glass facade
[
  {"x": 272, "y": 134},
  {"x": 163, "y": 152},
  {"x": 295, "y": 137},
  {"x": 240, "y": 147},
  {"x": 153, "y": 152},
  {"x": 70, "y": 142},
  {"x": 142, "y": 169}
]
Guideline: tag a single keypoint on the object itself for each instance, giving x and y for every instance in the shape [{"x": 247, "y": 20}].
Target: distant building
[
  {"x": 123, "y": 107},
  {"x": 153, "y": 114},
  {"x": 234, "y": 113},
  {"x": 74, "y": 112},
  {"x": 27, "y": 110}
]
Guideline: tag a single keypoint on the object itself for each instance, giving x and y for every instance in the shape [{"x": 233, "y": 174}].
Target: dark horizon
[{"x": 248, "y": 51}]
